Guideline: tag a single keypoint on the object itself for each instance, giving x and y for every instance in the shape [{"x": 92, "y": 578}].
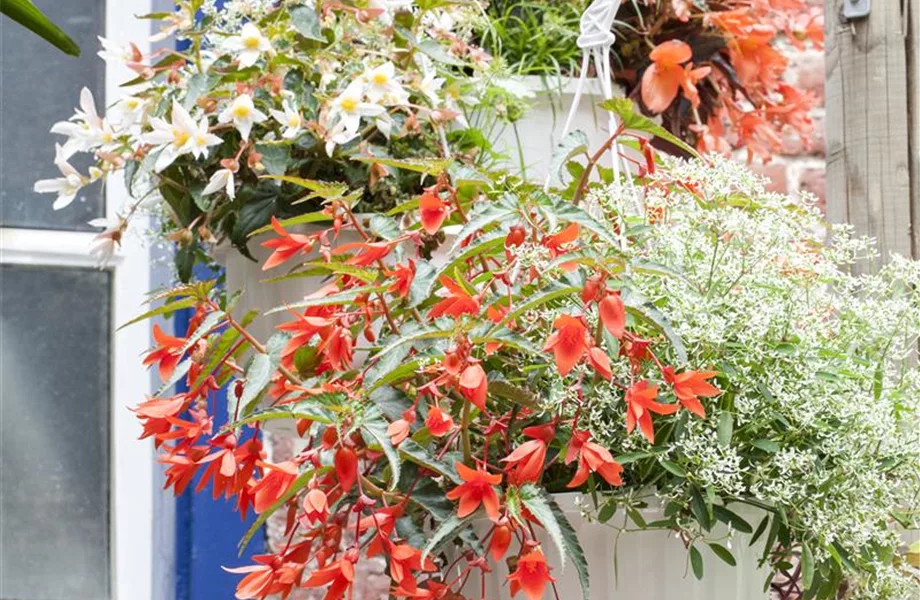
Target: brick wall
[{"x": 801, "y": 166}]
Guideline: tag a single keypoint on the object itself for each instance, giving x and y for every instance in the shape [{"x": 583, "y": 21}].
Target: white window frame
[{"x": 131, "y": 462}]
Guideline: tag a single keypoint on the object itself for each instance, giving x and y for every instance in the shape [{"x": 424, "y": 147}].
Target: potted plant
[
  {"x": 677, "y": 346},
  {"x": 715, "y": 72}
]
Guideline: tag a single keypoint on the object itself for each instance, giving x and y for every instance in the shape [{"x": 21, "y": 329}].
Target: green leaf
[
  {"x": 319, "y": 408},
  {"x": 700, "y": 509},
  {"x": 723, "y": 553},
  {"x": 321, "y": 189},
  {"x": 767, "y": 446},
  {"x": 726, "y": 427},
  {"x": 633, "y": 121},
  {"x": 448, "y": 530},
  {"x": 259, "y": 372},
  {"x": 376, "y": 428},
  {"x": 322, "y": 268},
  {"x": 166, "y": 309},
  {"x": 808, "y": 567},
  {"x": 436, "y": 52},
  {"x": 574, "y": 143},
  {"x": 411, "y": 451},
  {"x": 673, "y": 468},
  {"x": 481, "y": 216},
  {"x": 760, "y": 529},
  {"x": 696, "y": 562},
  {"x": 429, "y": 166},
  {"x": 731, "y": 518},
  {"x": 538, "y": 505},
  {"x": 509, "y": 338},
  {"x": 314, "y": 217},
  {"x": 204, "y": 328},
  {"x": 29, "y": 16},
  {"x": 567, "y": 211},
  {"x": 640, "y": 308},
  {"x": 402, "y": 371},
  {"x": 423, "y": 282},
  {"x": 306, "y": 22},
  {"x": 216, "y": 355},
  {"x": 540, "y": 298},
  {"x": 345, "y": 297}
]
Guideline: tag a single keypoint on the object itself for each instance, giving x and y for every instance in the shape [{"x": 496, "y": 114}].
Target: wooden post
[{"x": 872, "y": 135}]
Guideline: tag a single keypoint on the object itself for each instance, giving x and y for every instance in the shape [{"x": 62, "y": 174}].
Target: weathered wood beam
[{"x": 869, "y": 124}]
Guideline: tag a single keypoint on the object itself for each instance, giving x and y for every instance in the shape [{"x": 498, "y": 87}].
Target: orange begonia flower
[
  {"x": 274, "y": 483},
  {"x": 690, "y": 386},
  {"x": 457, "y": 302},
  {"x": 640, "y": 403},
  {"x": 613, "y": 314},
  {"x": 668, "y": 74},
  {"x": 338, "y": 576},
  {"x": 567, "y": 342},
  {"x": 316, "y": 505},
  {"x": 166, "y": 354},
  {"x": 531, "y": 576},
  {"x": 285, "y": 246},
  {"x": 438, "y": 422},
  {"x": 346, "y": 467},
  {"x": 475, "y": 386},
  {"x": 475, "y": 491},
  {"x": 591, "y": 457},
  {"x": 525, "y": 463},
  {"x": 432, "y": 212}
]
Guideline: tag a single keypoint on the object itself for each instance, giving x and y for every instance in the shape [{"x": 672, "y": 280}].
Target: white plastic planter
[
  {"x": 641, "y": 565},
  {"x": 541, "y": 128}
]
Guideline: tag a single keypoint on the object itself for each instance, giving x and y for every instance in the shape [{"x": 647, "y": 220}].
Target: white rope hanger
[{"x": 595, "y": 41}]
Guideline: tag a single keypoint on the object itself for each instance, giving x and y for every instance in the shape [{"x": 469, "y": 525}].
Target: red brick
[
  {"x": 807, "y": 73},
  {"x": 812, "y": 181},
  {"x": 776, "y": 173}
]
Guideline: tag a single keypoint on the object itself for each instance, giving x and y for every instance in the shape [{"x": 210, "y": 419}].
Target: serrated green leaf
[
  {"x": 204, "y": 328},
  {"x": 164, "y": 310},
  {"x": 637, "y": 306},
  {"x": 448, "y": 530},
  {"x": 412, "y": 452},
  {"x": 633, "y": 121},
  {"x": 429, "y": 166},
  {"x": 567, "y": 211},
  {"x": 423, "y": 282},
  {"x": 319, "y": 408},
  {"x": 376, "y": 428},
  {"x": 345, "y": 297},
  {"x": 538, "y": 299},
  {"x": 259, "y": 373},
  {"x": 574, "y": 143},
  {"x": 305, "y": 21}
]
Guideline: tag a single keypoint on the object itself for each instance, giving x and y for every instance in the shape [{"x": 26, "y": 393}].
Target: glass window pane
[
  {"x": 54, "y": 433},
  {"x": 40, "y": 86}
]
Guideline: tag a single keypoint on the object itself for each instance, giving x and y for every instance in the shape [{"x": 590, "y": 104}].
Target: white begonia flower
[
  {"x": 383, "y": 85},
  {"x": 290, "y": 119},
  {"x": 105, "y": 243},
  {"x": 130, "y": 111},
  {"x": 222, "y": 179},
  {"x": 181, "y": 136},
  {"x": 243, "y": 114},
  {"x": 250, "y": 45},
  {"x": 429, "y": 86},
  {"x": 388, "y": 7},
  {"x": 85, "y": 130},
  {"x": 337, "y": 136},
  {"x": 440, "y": 21},
  {"x": 349, "y": 107},
  {"x": 118, "y": 53},
  {"x": 68, "y": 186}
]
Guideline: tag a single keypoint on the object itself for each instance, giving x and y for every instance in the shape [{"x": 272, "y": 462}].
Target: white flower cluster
[{"x": 824, "y": 400}]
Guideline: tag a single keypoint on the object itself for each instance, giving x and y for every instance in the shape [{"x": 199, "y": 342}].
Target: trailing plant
[
  {"x": 714, "y": 71},
  {"x": 681, "y": 337}
]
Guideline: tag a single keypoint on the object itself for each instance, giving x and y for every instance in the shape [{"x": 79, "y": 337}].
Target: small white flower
[
  {"x": 66, "y": 187},
  {"x": 105, "y": 243},
  {"x": 118, "y": 53},
  {"x": 290, "y": 119},
  {"x": 349, "y": 107},
  {"x": 243, "y": 114},
  {"x": 181, "y": 136},
  {"x": 85, "y": 130},
  {"x": 383, "y": 85},
  {"x": 130, "y": 111},
  {"x": 439, "y": 22},
  {"x": 250, "y": 44},
  {"x": 222, "y": 179},
  {"x": 429, "y": 86}
]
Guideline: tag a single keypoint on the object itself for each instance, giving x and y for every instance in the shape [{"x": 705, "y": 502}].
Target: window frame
[{"x": 131, "y": 466}]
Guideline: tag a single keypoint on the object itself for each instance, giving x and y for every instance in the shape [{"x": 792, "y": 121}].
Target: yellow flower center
[
  {"x": 380, "y": 78},
  {"x": 241, "y": 111},
  {"x": 180, "y": 138},
  {"x": 200, "y": 141},
  {"x": 294, "y": 121},
  {"x": 349, "y": 104},
  {"x": 251, "y": 43}
]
